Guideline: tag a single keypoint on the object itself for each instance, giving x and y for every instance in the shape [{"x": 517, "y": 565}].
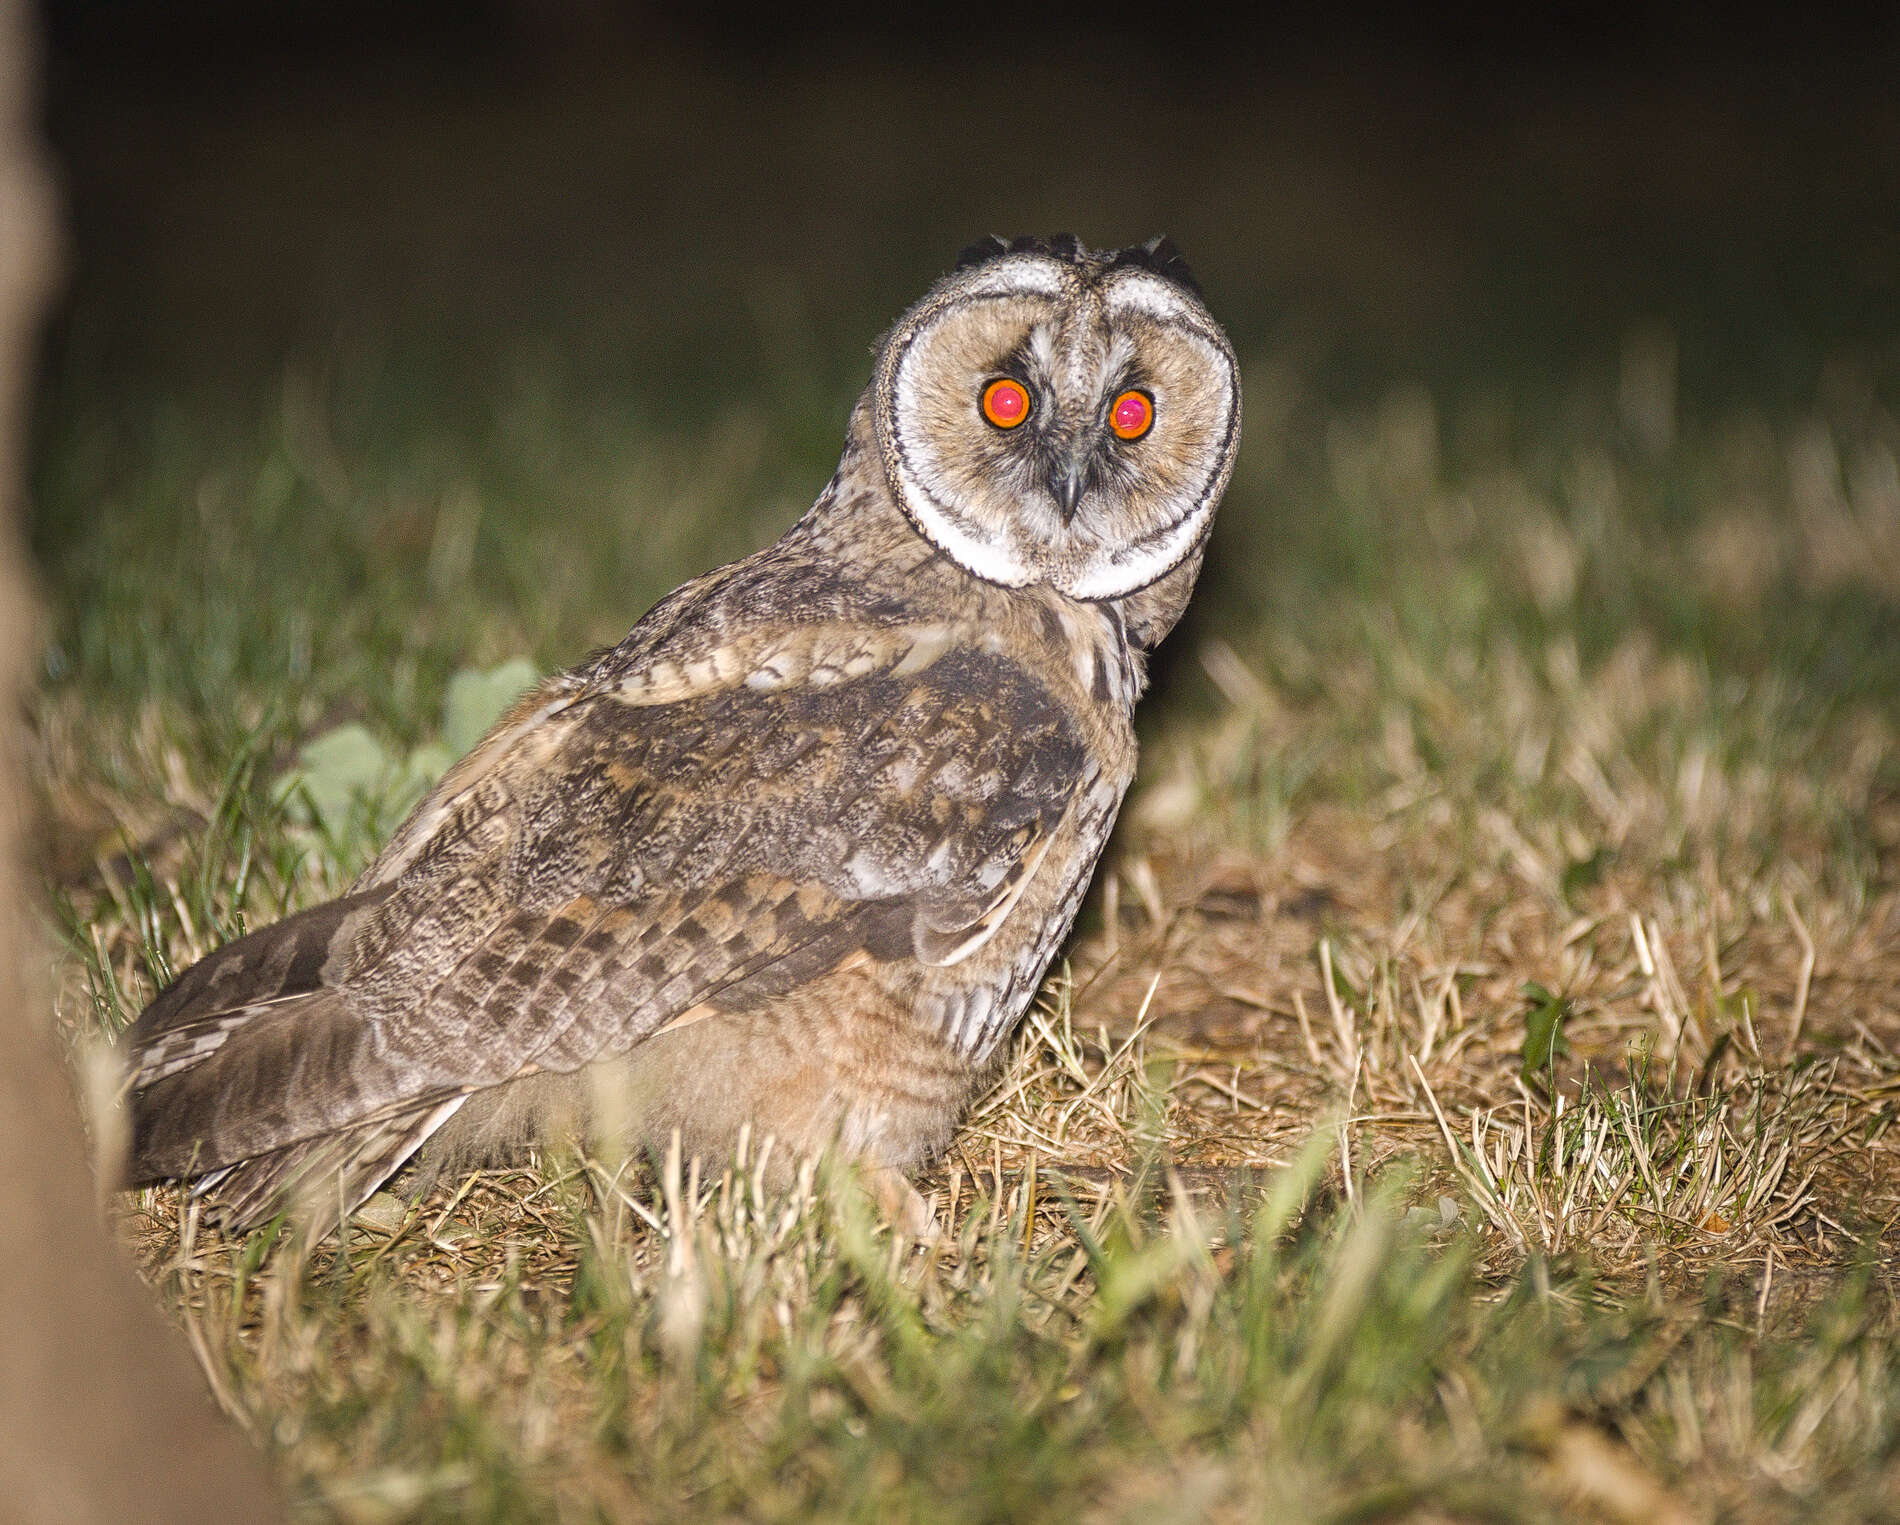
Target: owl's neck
[{"x": 857, "y": 522}]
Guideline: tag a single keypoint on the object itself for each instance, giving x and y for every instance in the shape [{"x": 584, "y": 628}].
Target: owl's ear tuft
[
  {"x": 1160, "y": 256},
  {"x": 982, "y": 252},
  {"x": 1062, "y": 246}
]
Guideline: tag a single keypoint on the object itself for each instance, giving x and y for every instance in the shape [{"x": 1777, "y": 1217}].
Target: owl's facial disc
[{"x": 1071, "y": 423}]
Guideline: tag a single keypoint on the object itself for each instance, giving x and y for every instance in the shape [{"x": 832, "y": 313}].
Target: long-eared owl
[{"x": 797, "y": 852}]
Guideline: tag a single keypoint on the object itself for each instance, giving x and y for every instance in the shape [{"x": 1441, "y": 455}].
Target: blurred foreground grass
[{"x": 1468, "y": 1096}]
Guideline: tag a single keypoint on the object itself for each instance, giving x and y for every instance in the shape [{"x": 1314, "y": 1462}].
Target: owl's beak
[{"x": 1066, "y": 485}]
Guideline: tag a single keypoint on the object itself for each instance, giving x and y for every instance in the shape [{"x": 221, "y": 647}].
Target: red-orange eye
[
  {"x": 1132, "y": 416},
  {"x": 1005, "y": 403}
]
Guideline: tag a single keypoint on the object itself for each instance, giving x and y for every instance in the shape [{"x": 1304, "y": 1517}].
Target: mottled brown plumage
[{"x": 796, "y": 853}]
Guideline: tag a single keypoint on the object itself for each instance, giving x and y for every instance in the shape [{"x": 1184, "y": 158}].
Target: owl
[{"x": 794, "y": 856}]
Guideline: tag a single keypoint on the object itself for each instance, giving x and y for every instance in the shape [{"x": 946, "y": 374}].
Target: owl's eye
[
  {"x": 1005, "y": 403},
  {"x": 1132, "y": 416}
]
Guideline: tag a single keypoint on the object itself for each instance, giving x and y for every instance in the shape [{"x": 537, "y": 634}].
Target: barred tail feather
[{"x": 324, "y": 1179}]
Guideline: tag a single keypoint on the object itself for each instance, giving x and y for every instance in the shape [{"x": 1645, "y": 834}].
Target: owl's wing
[{"x": 611, "y": 860}]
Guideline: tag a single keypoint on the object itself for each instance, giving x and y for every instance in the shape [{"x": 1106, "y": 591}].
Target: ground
[{"x": 1468, "y": 1093}]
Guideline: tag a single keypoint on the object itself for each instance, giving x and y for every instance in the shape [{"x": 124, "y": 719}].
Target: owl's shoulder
[{"x": 797, "y": 583}]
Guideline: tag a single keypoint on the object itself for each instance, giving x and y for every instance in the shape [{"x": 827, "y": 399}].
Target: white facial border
[
  {"x": 1114, "y": 573},
  {"x": 988, "y": 551}
]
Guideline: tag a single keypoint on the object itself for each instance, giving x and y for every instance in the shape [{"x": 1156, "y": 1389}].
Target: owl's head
[{"x": 1048, "y": 414}]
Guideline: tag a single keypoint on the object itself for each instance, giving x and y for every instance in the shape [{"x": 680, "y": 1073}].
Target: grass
[{"x": 1468, "y": 1095}]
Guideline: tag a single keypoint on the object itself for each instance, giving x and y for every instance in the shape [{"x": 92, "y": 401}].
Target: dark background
[
  {"x": 1451, "y": 189},
  {"x": 406, "y": 257}
]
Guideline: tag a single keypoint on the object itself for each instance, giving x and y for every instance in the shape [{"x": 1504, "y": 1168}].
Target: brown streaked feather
[
  {"x": 287, "y": 958},
  {"x": 949, "y": 945},
  {"x": 596, "y": 870},
  {"x": 298, "y": 1067},
  {"x": 327, "y": 1177}
]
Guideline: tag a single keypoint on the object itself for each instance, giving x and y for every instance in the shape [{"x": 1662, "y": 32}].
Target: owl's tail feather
[{"x": 324, "y": 1179}]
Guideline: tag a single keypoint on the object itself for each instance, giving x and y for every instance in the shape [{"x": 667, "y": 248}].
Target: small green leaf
[
  {"x": 413, "y": 777},
  {"x": 1543, "y": 1029},
  {"x": 333, "y": 772},
  {"x": 347, "y": 768},
  {"x": 431, "y": 760},
  {"x": 1581, "y": 873},
  {"x": 477, "y": 699}
]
